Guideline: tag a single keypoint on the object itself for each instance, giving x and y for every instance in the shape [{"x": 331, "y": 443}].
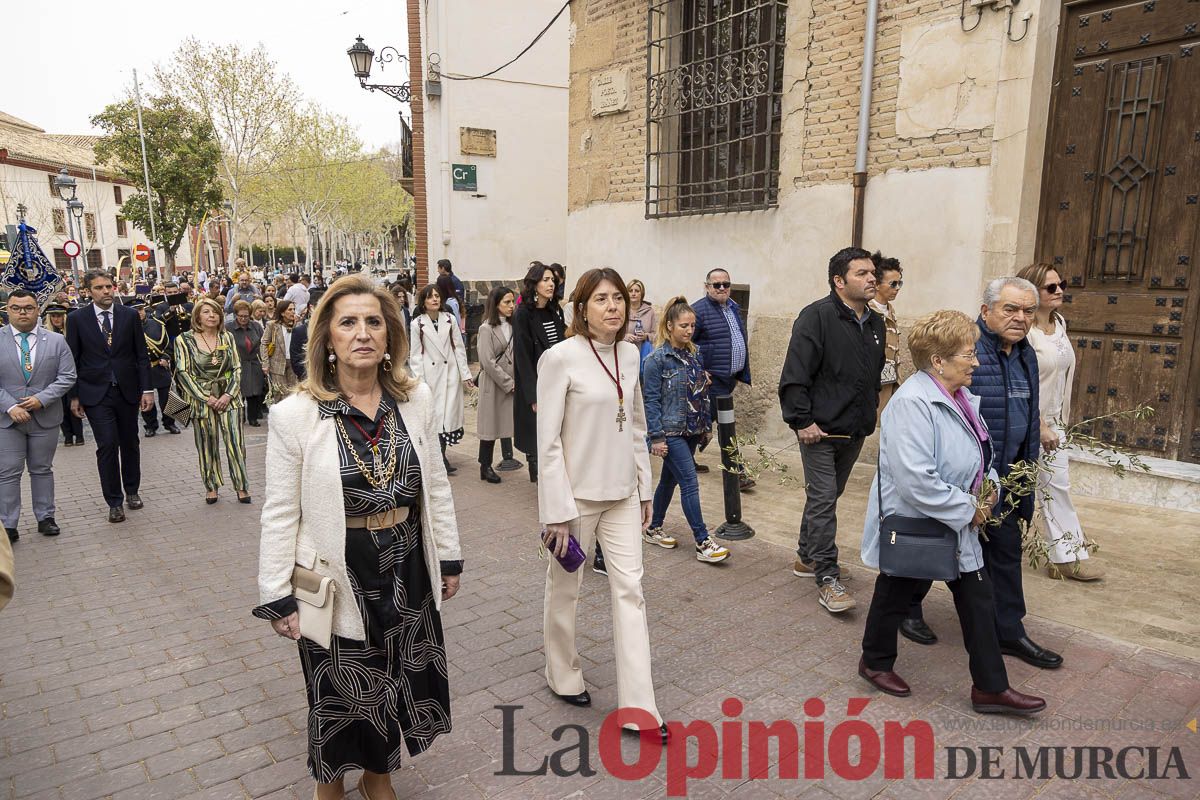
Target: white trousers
[
  {"x": 1060, "y": 523},
  {"x": 617, "y": 525}
]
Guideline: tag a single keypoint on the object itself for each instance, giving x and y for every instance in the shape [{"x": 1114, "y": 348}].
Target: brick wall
[
  {"x": 831, "y": 99},
  {"x": 607, "y": 154},
  {"x": 420, "y": 213}
]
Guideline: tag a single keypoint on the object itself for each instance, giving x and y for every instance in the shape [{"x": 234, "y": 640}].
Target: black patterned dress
[{"x": 367, "y": 698}]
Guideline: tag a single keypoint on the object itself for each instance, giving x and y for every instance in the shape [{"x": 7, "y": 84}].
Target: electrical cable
[{"x": 528, "y": 47}]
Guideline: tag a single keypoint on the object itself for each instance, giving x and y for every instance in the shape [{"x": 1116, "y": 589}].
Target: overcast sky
[{"x": 64, "y": 61}]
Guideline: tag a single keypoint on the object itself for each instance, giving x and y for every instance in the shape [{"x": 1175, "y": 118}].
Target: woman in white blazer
[
  {"x": 357, "y": 492},
  {"x": 439, "y": 358},
  {"x": 594, "y": 484}
]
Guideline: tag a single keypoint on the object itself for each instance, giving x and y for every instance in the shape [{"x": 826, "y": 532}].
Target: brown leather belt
[{"x": 375, "y": 522}]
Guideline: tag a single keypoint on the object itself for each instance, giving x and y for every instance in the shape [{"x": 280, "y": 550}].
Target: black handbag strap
[{"x": 879, "y": 476}]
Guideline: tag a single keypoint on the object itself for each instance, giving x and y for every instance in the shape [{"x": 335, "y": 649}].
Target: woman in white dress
[
  {"x": 438, "y": 357},
  {"x": 1056, "y": 371}
]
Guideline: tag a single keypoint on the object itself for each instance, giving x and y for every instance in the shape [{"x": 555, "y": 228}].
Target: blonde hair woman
[
  {"x": 209, "y": 373},
  {"x": 934, "y": 453},
  {"x": 356, "y": 491}
]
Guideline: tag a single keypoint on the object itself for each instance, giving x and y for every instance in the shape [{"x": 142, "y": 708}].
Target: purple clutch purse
[{"x": 574, "y": 557}]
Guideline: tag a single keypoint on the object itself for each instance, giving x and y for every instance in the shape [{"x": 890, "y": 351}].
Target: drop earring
[
  {"x": 387, "y": 362},
  {"x": 332, "y": 364}
]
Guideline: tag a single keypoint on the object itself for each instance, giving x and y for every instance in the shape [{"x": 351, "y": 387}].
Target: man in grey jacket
[{"x": 36, "y": 370}]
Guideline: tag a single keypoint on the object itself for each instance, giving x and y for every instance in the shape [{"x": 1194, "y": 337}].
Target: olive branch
[
  {"x": 1021, "y": 481},
  {"x": 1024, "y": 477}
]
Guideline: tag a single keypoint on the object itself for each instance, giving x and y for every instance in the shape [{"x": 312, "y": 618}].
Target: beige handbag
[{"x": 314, "y": 601}]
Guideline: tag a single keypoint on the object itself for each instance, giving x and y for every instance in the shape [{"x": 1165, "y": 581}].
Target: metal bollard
[{"x": 732, "y": 527}]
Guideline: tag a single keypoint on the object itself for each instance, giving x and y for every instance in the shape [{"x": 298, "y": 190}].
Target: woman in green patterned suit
[{"x": 209, "y": 373}]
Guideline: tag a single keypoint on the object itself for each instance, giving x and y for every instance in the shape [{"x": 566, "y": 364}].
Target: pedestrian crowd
[{"x": 364, "y": 385}]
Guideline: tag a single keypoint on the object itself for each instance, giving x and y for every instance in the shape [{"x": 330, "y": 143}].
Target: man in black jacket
[
  {"x": 298, "y": 352},
  {"x": 828, "y": 391},
  {"x": 113, "y": 371}
]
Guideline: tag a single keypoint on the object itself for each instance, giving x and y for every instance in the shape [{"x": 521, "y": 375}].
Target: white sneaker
[
  {"x": 710, "y": 552},
  {"x": 656, "y": 536}
]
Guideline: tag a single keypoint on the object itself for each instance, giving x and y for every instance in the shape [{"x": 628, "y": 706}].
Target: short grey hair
[{"x": 991, "y": 293}]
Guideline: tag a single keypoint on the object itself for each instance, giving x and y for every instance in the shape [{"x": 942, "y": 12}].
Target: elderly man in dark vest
[{"x": 1006, "y": 382}]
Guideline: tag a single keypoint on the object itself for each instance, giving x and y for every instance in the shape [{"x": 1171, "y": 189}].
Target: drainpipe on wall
[
  {"x": 864, "y": 123},
  {"x": 420, "y": 213},
  {"x": 444, "y": 111}
]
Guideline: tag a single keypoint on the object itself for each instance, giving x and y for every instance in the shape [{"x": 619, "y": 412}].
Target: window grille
[
  {"x": 121, "y": 226},
  {"x": 713, "y": 105},
  {"x": 89, "y": 224},
  {"x": 117, "y": 194},
  {"x": 60, "y": 220}
]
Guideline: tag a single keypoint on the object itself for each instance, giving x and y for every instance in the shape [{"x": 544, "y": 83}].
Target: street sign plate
[
  {"x": 464, "y": 177},
  {"x": 141, "y": 253},
  {"x": 71, "y": 248}
]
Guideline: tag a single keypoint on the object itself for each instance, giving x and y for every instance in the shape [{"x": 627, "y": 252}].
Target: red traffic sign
[
  {"x": 71, "y": 248},
  {"x": 141, "y": 252}
]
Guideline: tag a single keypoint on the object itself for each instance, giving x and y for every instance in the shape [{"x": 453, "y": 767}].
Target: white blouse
[{"x": 1056, "y": 371}]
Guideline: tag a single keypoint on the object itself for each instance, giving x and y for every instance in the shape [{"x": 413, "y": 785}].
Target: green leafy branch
[{"x": 1024, "y": 477}]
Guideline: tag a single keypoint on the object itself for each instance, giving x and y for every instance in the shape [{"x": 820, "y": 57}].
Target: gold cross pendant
[{"x": 621, "y": 416}]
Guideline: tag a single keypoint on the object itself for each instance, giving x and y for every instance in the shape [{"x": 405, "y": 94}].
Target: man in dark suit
[
  {"x": 158, "y": 346},
  {"x": 113, "y": 370},
  {"x": 298, "y": 353}
]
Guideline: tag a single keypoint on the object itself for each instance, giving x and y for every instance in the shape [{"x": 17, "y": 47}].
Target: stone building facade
[{"x": 960, "y": 118}]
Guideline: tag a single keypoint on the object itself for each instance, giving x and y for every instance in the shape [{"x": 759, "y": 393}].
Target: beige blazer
[{"x": 304, "y": 510}]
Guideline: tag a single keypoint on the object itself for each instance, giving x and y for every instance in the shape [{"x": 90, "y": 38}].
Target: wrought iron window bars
[{"x": 713, "y": 105}]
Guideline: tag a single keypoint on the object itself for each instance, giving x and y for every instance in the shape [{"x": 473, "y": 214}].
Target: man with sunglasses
[{"x": 721, "y": 338}]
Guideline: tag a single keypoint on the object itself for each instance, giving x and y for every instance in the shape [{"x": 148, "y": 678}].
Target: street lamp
[
  {"x": 361, "y": 56},
  {"x": 270, "y": 247},
  {"x": 64, "y": 184},
  {"x": 229, "y": 254},
  {"x": 75, "y": 212}
]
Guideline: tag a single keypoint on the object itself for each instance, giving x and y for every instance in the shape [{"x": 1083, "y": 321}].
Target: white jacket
[
  {"x": 304, "y": 512},
  {"x": 439, "y": 358}
]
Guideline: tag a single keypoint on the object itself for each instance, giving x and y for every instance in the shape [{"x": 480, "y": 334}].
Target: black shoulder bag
[{"x": 915, "y": 547}]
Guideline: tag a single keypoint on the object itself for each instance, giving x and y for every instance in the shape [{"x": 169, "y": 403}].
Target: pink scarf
[{"x": 963, "y": 403}]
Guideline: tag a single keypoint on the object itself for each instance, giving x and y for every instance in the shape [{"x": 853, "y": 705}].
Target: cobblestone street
[{"x": 131, "y": 667}]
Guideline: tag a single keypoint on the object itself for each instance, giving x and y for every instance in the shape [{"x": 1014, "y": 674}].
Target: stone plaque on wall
[
  {"x": 477, "y": 141},
  {"x": 610, "y": 92}
]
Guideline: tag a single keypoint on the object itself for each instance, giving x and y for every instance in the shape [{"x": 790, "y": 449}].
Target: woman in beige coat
[
  {"x": 495, "y": 418},
  {"x": 276, "y": 344}
]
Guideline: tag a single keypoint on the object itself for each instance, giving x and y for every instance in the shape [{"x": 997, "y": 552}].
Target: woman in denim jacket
[{"x": 675, "y": 391}]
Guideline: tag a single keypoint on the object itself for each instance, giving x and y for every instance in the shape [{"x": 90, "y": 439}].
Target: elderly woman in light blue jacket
[{"x": 933, "y": 456}]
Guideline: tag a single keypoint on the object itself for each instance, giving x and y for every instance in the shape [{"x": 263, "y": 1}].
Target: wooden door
[{"x": 1119, "y": 214}]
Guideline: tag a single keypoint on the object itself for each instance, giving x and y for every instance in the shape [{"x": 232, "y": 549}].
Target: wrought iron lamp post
[
  {"x": 270, "y": 247},
  {"x": 65, "y": 185},
  {"x": 361, "y": 56},
  {"x": 229, "y": 254}
]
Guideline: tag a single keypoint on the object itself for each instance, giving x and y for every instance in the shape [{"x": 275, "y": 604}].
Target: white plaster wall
[
  {"x": 522, "y": 215},
  {"x": 30, "y": 187},
  {"x": 932, "y": 220}
]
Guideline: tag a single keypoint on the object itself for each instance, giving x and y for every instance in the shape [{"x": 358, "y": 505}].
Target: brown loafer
[
  {"x": 1010, "y": 701},
  {"x": 886, "y": 682}
]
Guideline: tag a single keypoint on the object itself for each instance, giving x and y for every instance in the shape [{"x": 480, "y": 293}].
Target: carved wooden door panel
[{"x": 1120, "y": 217}]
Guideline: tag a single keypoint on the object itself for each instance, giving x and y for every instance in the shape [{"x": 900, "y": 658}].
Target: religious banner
[{"x": 29, "y": 269}]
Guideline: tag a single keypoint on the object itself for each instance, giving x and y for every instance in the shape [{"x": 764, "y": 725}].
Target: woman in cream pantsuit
[
  {"x": 438, "y": 357},
  {"x": 595, "y": 484},
  {"x": 1056, "y": 374}
]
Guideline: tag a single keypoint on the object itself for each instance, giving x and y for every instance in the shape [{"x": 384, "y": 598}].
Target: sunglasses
[
  {"x": 895, "y": 284},
  {"x": 1055, "y": 288},
  {"x": 720, "y": 284}
]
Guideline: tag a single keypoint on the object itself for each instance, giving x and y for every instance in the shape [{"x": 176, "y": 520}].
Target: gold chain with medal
[{"x": 376, "y": 477}]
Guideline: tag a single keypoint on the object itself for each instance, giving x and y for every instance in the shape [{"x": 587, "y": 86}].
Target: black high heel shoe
[
  {"x": 211, "y": 500},
  {"x": 245, "y": 500}
]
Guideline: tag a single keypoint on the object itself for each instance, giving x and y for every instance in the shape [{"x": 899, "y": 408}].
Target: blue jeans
[{"x": 679, "y": 469}]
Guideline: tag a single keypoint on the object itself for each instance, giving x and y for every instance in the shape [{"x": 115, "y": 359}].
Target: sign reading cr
[{"x": 464, "y": 178}]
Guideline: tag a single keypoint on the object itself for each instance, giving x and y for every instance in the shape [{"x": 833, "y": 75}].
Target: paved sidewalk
[{"x": 130, "y": 666}]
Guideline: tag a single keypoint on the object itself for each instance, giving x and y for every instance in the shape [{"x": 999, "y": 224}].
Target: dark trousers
[
  {"x": 254, "y": 408},
  {"x": 150, "y": 418},
  {"x": 487, "y": 450},
  {"x": 118, "y": 452},
  {"x": 976, "y": 614},
  {"x": 72, "y": 426},
  {"x": 827, "y": 466},
  {"x": 1002, "y": 560}
]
